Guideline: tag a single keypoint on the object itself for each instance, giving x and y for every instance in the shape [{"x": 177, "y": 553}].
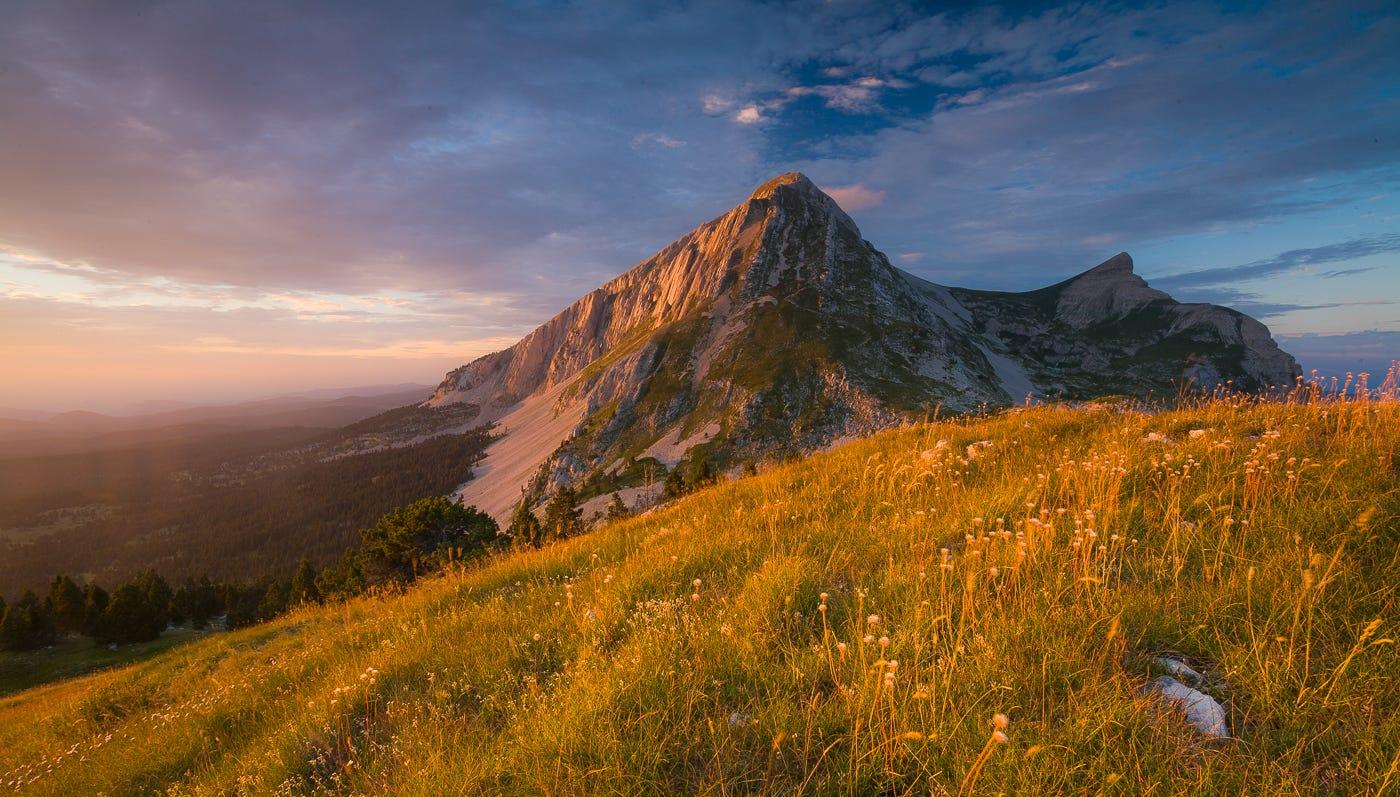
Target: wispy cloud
[
  {"x": 372, "y": 179},
  {"x": 1285, "y": 262}
]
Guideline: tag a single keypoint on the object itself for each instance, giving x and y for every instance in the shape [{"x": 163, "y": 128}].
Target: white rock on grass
[
  {"x": 1201, "y": 710},
  {"x": 1180, "y": 670}
]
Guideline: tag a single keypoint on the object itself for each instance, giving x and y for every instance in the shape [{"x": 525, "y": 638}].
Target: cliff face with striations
[{"x": 777, "y": 329}]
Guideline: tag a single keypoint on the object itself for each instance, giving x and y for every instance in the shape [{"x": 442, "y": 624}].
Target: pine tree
[
  {"x": 562, "y": 517},
  {"x": 131, "y": 616},
  {"x": 14, "y": 629},
  {"x": 95, "y": 600},
  {"x": 242, "y": 605},
  {"x": 195, "y": 601},
  {"x": 303, "y": 587},
  {"x": 274, "y": 600},
  {"x": 158, "y": 598},
  {"x": 26, "y": 624},
  {"x": 675, "y": 484},
  {"x": 425, "y": 534},
  {"x": 66, "y": 605},
  {"x": 524, "y": 527},
  {"x": 617, "y": 510},
  {"x": 342, "y": 579}
]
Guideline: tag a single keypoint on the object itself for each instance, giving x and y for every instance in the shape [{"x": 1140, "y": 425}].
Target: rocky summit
[{"x": 777, "y": 329}]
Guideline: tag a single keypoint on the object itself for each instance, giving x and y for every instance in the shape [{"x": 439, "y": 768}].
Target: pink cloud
[{"x": 856, "y": 197}]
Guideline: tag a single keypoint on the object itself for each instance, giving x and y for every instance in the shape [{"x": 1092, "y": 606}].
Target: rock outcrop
[{"x": 777, "y": 329}]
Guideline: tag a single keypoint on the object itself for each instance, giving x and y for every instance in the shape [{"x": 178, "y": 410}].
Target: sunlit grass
[{"x": 954, "y": 608}]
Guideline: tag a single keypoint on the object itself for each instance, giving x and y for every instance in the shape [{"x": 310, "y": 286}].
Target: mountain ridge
[{"x": 777, "y": 328}]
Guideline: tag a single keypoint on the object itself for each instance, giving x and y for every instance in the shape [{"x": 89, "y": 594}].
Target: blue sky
[{"x": 220, "y": 200}]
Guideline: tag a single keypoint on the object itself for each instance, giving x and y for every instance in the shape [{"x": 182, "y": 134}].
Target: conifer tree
[
  {"x": 95, "y": 600},
  {"x": 524, "y": 528},
  {"x": 274, "y": 600},
  {"x": 617, "y": 510},
  {"x": 423, "y": 535},
  {"x": 562, "y": 517},
  {"x": 675, "y": 484},
  {"x": 66, "y": 605},
  {"x": 26, "y": 624},
  {"x": 303, "y": 586}
]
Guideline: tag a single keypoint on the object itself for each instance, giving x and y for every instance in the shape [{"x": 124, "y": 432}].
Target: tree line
[
  {"x": 238, "y": 530},
  {"x": 403, "y": 545}
]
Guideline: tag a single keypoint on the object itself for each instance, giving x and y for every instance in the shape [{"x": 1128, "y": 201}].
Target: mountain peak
[
  {"x": 1121, "y": 263},
  {"x": 777, "y": 327},
  {"x": 797, "y": 180},
  {"x": 794, "y": 190}
]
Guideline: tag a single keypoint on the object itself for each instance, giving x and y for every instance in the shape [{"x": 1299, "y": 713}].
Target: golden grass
[{"x": 964, "y": 607}]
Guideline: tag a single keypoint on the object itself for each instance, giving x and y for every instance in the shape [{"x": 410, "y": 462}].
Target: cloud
[
  {"x": 715, "y": 103},
  {"x": 855, "y": 197},
  {"x": 445, "y": 175},
  {"x": 748, "y": 115},
  {"x": 1372, "y": 351},
  {"x": 1292, "y": 260},
  {"x": 1345, "y": 272},
  {"x": 1159, "y": 122},
  {"x": 659, "y": 139},
  {"x": 856, "y": 96}
]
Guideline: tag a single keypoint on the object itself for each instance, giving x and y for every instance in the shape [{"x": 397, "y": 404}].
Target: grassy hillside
[{"x": 1031, "y": 566}]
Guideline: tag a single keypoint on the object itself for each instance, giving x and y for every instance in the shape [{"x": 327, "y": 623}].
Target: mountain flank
[{"x": 777, "y": 329}]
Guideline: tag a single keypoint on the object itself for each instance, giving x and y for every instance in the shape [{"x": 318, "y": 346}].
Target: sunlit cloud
[
  {"x": 749, "y": 115},
  {"x": 379, "y": 184},
  {"x": 412, "y": 349},
  {"x": 856, "y": 197}
]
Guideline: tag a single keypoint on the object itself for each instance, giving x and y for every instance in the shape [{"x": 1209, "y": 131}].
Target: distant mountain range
[
  {"x": 778, "y": 329},
  {"x": 28, "y": 433}
]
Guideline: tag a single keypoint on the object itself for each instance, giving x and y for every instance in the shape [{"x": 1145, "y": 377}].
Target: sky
[{"x": 219, "y": 200}]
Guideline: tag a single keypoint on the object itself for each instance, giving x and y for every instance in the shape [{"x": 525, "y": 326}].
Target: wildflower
[
  {"x": 1000, "y": 721},
  {"x": 696, "y": 582},
  {"x": 999, "y": 737},
  {"x": 884, "y": 641},
  {"x": 694, "y": 597},
  {"x": 872, "y": 620},
  {"x": 1195, "y": 433}
]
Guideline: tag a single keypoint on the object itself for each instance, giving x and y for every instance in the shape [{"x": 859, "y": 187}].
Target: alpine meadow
[{"x": 963, "y": 606}]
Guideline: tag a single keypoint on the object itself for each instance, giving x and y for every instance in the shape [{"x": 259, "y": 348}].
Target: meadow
[
  {"x": 969, "y": 606},
  {"x": 77, "y": 655}
]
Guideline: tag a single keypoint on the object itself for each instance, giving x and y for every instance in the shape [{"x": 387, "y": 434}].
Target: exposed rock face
[
  {"x": 776, "y": 328},
  {"x": 1107, "y": 331}
]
